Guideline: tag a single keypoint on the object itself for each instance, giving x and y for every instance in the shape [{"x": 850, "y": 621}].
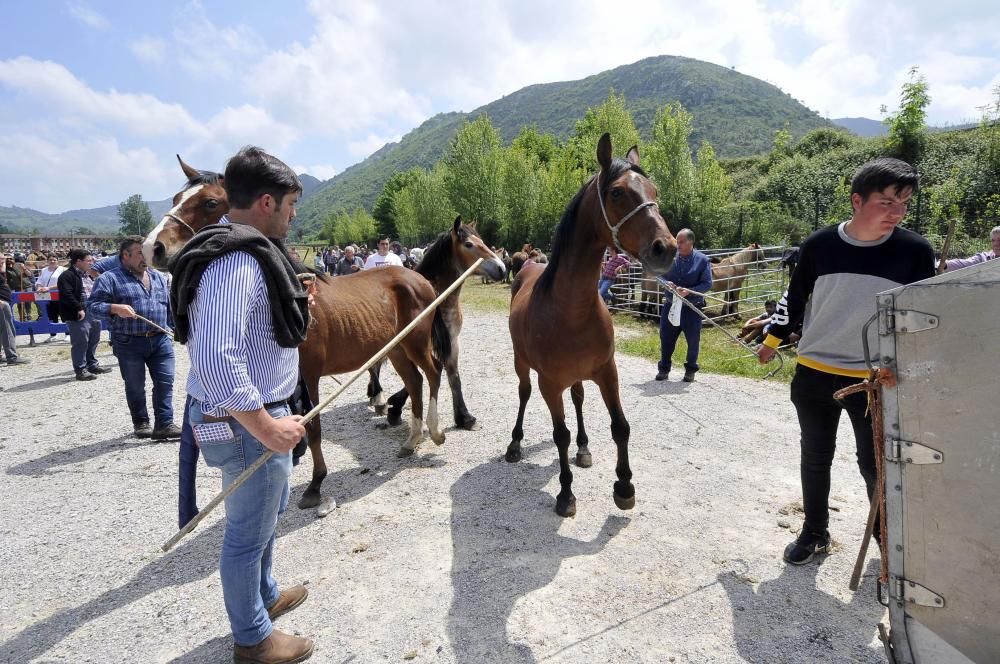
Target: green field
[{"x": 719, "y": 354}]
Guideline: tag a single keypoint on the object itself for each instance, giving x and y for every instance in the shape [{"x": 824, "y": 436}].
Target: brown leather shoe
[
  {"x": 288, "y": 599},
  {"x": 279, "y": 648}
]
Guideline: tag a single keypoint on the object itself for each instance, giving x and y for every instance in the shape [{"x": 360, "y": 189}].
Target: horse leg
[
  {"x": 376, "y": 396},
  {"x": 565, "y": 500},
  {"x": 607, "y": 381},
  {"x": 432, "y": 369},
  {"x": 583, "y": 458},
  {"x": 394, "y": 416},
  {"x": 513, "y": 454},
  {"x": 312, "y": 496},
  {"x": 414, "y": 385},
  {"x": 463, "y": 418}
]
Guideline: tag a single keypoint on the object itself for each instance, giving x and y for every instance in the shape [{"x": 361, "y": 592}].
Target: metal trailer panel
[{"x": 941, "y": 337}]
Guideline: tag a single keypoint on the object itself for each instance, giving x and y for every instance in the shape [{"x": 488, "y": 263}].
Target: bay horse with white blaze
[
  {"x": 558, "y": 324},
  {"x": 353, "y": 317}
]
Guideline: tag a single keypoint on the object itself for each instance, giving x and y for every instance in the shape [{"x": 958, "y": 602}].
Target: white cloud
[
  {"x": 208, "y": 51},
  {"x": 87, "y": 15},
  {"x": 320, "y": 171},
  {"x": 138, "y": 113},
  {"x": 55, "y": 176},
  {"x": 363, "y": 147},
  {"x": 149, "y": 49}
]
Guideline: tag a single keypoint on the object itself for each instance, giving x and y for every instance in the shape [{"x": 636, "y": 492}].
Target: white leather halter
[{"x": 621, "y": 222}]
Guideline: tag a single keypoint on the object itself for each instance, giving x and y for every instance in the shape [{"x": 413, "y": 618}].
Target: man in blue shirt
[
  {"x": 119, "y": 294},
  {"x": 691, "y": 273}
]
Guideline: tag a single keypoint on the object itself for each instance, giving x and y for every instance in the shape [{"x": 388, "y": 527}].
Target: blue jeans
[
  {"x": 187, "y": 470},
  {"x": 603, "y": 288},
  {"x": 134, "y": 355},
  {"x": 251, "y": 517},
  {"x": 691, "y": 327},
  {"x": 84, "y": 335}
]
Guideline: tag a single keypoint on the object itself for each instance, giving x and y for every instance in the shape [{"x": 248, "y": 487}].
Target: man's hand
[
  {"x": 81, "y": 314},
  {"x": 122, "y": 310},
  {"x": 43, "y": 289},
  {"x": 683, "y": 292},
  {"x": 284, "y": 433},
  {"x": 765, "y": 354}
]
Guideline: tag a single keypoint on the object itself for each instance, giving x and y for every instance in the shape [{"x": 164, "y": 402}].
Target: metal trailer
[{"x": 942, "y": 444}]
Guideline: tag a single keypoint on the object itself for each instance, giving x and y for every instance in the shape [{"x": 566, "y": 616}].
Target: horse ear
[
  {"x": 457, "y": 224},
  {"x": 472, "y": 224},
  {"x": 604, "y": 151},
  {"x": 633, "y": 155},
  {"x": 191, "y": 173}
]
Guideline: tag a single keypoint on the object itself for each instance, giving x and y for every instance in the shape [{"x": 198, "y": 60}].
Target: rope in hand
[{"x": 872, "y": 385}]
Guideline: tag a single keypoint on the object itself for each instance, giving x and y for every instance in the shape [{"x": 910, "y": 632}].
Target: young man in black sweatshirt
[{"x": 841, "y": 269}]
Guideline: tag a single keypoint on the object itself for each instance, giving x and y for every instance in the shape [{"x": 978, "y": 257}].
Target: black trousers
[{"x": 819, "y": 415}]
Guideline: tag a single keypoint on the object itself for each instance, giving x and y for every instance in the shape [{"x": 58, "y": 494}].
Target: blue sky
[{"x": 96, "y": 97}]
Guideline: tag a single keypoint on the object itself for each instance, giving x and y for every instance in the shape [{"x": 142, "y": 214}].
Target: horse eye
[
  {"x": 468, "y": 245},
  {"x": 617, "y": 192},
  {"x": 211, "y": 204}
]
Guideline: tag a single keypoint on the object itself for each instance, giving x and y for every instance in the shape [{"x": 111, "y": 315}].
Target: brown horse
[
  {"x": 452, "y": 253},
  {"x": 560, "y": 327},
  {"x": 729, "y": 274},
  {"x": 354, "y": 316}
]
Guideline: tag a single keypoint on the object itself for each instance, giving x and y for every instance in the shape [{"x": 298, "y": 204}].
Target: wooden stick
[
  {"x": 943, "y": 263},
  {"x": 161, "y": 329},
  {"x": 863, "y": 552},
  {"x": 262, "y": 459}
]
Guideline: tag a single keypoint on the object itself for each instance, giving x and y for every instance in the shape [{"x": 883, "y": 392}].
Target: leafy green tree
[
  {"x": 532, "y": 143},
  {"x": 907, "y": 126},
  {"x": 611, "y": 117},
  {"x": 560, "y": 181},
  {"x": 423, "y": 208},
  {"x": 668, "y": 161},
  {"x": 522, "y": 182},
  {"x": 134, "y": 217},
  {"x": 383, "y": 210},
  {"x": 345, "y": 227},
  {"x": 474, "y": 176},
  {"x": 712, "y": 196}
]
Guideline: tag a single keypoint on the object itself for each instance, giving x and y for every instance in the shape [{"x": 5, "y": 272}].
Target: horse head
[
  {"x": 632, "y": 220},
  {"x": 201, "y": 202},
  {"x": 467, "y": 247}
]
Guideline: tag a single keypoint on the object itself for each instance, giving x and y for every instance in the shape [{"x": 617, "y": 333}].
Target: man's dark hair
[
  {"x": 78, "y": 254},
  {"x": 883, "y": 172},
  {"x": 127, "y": 244},
  {"x": 770, "y": 302},
  {"x": 251, "y": 173}
]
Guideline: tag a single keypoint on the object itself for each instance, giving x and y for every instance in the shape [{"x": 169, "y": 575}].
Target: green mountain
[{"x": 738, "y": 114}]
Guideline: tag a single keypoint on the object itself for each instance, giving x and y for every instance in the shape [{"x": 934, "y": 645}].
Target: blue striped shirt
[
  {"x": 236, "y": 364},
  {"x": 120, "y": 286}
]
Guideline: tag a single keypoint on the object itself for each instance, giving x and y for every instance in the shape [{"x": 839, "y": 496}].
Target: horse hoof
[
  {"x": 567, "y": 508},
  {"x": 624, "y": 503},
  {"x": 394, "y": 419},
  {"x": 512, "y": 456},
  {"x": 379, "y": 410},
  {"x": 438, "y": 440},
  {"x": 309, "y": 500},
  {"x": 325, "y": 507},
  {"x": 404, "y": 452},
  {"x": 584, "y": 460},
  {"x": 469, "y": 425}
]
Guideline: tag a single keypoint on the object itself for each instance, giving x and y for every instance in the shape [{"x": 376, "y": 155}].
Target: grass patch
[{"x": 719, "y": 354}]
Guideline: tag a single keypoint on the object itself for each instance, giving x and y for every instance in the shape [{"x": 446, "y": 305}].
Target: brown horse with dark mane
[
  {"x": 729, "y": 274},
  {"x": 354, "y": 317},
  {"x": 451, "y": 254},
  {"x": 560, "y": 327}
]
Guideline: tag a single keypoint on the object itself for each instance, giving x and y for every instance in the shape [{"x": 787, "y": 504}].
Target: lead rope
[{"x": 876, "y": 379}]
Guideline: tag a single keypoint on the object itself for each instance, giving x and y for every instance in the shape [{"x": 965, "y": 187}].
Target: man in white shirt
[
  {"x": 45, "y": 283},
  {"x": 384, "y": 257}
]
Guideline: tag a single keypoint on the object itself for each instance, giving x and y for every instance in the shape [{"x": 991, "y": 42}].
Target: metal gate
[{"x": 942, "y": 430}]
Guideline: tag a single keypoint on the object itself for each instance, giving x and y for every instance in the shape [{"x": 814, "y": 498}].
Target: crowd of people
[{"x": 354, "y": 258}]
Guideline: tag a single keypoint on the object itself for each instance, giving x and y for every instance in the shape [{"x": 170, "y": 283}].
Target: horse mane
[
  {"x": 563, "y": 237},
  {"x": 203, "y": 177},
  {"x": 437, "y": 257}
]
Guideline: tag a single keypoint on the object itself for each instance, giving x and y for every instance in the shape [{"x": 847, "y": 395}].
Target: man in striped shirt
[
  {"x": 244, "y": 367},
  {"x": 119, "y": 294}
]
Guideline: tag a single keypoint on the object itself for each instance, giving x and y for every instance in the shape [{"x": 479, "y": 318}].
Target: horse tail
[{"x": 440, "y": 338}]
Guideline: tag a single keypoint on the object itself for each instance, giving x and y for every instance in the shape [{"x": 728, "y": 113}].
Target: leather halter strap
[
  {"x": 174, "y": 217},
  {"x": 621, "y": 222}
]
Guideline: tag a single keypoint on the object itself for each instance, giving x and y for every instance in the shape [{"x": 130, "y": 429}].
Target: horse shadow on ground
[
  {"x": 656, "y": 388},
  {"x": 506, "y": 545},
  {"x": 193, "y": 560},
  {"x": 789, "y": 619},
  {"x": 51, "y": 462}
]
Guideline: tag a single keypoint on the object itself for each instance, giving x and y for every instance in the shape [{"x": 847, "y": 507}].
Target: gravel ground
[{"x": 451, "y": 555}]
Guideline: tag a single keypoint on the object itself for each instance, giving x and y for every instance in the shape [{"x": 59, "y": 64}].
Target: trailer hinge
[
  {"x": 906, "y": 451},
  {"x": 902, "y": 590},
  {"x": 906, "y": 321}
]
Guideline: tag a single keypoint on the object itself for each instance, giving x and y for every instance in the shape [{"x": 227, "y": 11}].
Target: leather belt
[
  {"x": 226, "y": 418},
  {"x": 151, "y": 333}
]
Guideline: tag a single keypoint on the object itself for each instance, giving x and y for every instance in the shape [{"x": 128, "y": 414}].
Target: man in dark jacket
[
  {"x": 691, "y": 274},
  {"x": 84, "y": 329},
  {"x": 8, "y": 339}
]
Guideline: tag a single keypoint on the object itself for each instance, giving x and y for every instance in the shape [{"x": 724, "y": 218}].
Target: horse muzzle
[{"x": 658, "y": 256}]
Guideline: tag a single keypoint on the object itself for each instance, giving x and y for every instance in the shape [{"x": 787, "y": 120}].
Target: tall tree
[
  {"x": 423, "y": 208},
  {"x": 611, "y": 117},
  {"x": 474, "y": 176},
  {"x": 383, "y": 210},
  {"x": 712, "y": 195},
  {"x": 907, "y": 126},
  {"x": 134, "y": 217},
  {"x": 669, "y": 163}
]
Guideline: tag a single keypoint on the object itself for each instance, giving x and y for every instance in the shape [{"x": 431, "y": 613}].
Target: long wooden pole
[
  {"x": 943, "y": 263},
  {"x": 378, "y": 357}
]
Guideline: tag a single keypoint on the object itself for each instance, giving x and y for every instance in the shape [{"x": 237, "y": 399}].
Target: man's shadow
[
  {"x": 193, "y": 560},
  {"x": 789, "y": 618},
  {"x": 506, "y": 545},
  {"x": 52, "y": 462}
]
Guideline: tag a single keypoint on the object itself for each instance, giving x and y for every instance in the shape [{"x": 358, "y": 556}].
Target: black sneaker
[
  {"x": 806, "y": 546},
  {"x": 17, "y": 360},
  {"x": 169, "y": 431},
  {"x": 662, "y": 375},
  {"x": 85, "y": 375},
  {"x": 688, "y": 377},
  {"x": 142, "y": 430},
  {"x": 98, "y": 369}
]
